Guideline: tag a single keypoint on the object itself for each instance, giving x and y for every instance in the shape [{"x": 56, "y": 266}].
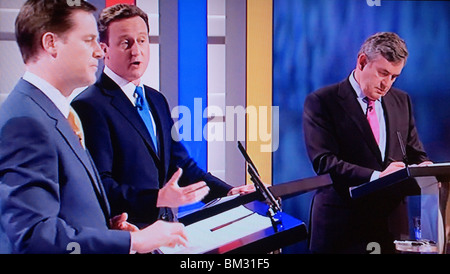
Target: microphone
[
  {"x": 403, "y": 148},
  {"x": 255, "y": 178},
  {"x": 247, "y": 157}
]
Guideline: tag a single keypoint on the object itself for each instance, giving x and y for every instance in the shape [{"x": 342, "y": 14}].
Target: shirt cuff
[{"x": 375, "y": 175}]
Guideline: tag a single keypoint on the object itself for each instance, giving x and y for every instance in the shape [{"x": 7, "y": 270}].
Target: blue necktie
[{"x": 144, "y": 111}]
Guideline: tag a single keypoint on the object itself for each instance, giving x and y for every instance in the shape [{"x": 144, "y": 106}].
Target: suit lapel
[
  {"x": 349, "y": 103},
  {"x": 105, "y": 205},
  {"x": 63, "y": 127},
  {"x": 123, "y": 105},
  {"x": 163, "y": 128},
  {"x": 391, "y": 123},
  {"x": 156, "y": 113},
  {"x": 83, "y": 155}
]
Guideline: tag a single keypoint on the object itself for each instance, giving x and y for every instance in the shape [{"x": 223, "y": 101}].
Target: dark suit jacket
[
  {"x": 340, "y": 142},
  {"x": 120, "y": 144},
  {"x": 50, "y": 192}
]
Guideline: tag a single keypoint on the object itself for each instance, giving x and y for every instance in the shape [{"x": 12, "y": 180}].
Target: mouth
[{"x": 136, "y": 63}]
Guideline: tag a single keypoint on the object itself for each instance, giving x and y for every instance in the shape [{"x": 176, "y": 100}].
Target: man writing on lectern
[{"x": 352, "y": 132}]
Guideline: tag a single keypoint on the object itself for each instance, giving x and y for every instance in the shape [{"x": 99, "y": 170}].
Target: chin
[
  {"x": 136, "y": 73},
  {"x": 89, "y": 80}
]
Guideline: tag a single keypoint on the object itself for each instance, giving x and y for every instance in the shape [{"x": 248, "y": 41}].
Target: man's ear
[
  {"x": 49, "y": 43},
  {"x": 362, "y": 61},
  {"x": 104, "y": 47}
]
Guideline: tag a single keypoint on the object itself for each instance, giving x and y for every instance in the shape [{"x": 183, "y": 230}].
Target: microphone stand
[{"x": 274, "y": 210}]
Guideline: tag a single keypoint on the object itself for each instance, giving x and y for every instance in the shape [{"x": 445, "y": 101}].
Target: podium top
[
  {"x": 279, "y": 191},
  {"x": 242, "y": 230},
  {"x": 297, "y": 187},
  {"x": 440, "y": 170}
]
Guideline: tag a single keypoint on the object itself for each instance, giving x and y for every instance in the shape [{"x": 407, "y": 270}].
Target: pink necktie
[{"x": 373, "y": 119}]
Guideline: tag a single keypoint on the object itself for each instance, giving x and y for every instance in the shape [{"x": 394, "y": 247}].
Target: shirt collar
[
  {"x": 61, "y": 102},
  {"x": 126, "y": 86},
  {"x": 356, "y": 87}
]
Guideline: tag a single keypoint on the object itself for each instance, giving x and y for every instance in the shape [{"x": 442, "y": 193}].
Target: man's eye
[{"x": 142, "y": 40}]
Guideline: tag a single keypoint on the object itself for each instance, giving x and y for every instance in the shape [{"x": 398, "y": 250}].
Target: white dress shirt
[
  {"x": 60, "y": 101},
  {"x": 380, "y": 114}
]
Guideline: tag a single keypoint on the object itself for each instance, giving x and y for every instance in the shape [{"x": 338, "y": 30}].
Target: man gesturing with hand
[
  {"x": 172, "y": 195},
  {"x": 128, "y": 129}
]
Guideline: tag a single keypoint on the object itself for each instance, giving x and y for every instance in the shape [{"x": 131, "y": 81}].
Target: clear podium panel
[{"x": 427, "y": 213}]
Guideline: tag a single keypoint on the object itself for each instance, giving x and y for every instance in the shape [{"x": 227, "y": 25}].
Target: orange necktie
[{"x": 75, "y": 124}]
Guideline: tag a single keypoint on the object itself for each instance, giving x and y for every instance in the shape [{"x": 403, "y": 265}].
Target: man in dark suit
[
  {"x": 128, "y": 129},
  {"x": 351, "y": 133},
  {"x": 52, "y": 199}
]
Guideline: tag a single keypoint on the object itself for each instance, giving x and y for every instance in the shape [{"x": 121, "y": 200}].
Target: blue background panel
[{"x": 192, "y": 72}]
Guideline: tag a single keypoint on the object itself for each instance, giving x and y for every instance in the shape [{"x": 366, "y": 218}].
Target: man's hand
[
  {"x": 157, "y": 235},
  {"x": 242, "y": 189},
  {"x": 426, "y": 163},
  {"x": 393, "y": 167},
  {"x": 120, "y": 223},
  {"x": 172, "y": 195}
]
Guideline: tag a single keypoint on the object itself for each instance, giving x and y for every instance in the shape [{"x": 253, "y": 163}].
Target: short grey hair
[{"x": 388, "y": 44}]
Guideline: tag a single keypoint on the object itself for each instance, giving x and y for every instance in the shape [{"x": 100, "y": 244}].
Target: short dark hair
[
  {"x": 116, "y": 13},
  {"x": 36, "y": 17},
  {"x": 388, "y": 44}
]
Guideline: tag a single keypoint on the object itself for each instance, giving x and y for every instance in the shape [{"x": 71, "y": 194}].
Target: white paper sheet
[{"x": 220, "y": 229}]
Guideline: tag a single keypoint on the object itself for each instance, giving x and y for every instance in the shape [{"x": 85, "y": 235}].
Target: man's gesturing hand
[{"x": 172, "y": 195}]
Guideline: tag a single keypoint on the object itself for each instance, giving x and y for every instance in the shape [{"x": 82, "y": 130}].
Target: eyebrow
[
  {"x": 388, "y": 72},
  {"x": 127, "y": 35},
  {"x": 94, "y": 36}
]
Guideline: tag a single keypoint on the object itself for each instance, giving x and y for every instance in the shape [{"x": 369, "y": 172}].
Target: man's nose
[
  {"x": 98, "y": 52},
  {"x": 135, "y": 49},
  {"x": 387, "y": 81}
]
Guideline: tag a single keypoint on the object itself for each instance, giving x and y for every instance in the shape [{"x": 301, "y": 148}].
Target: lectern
[
  {"x": 241, "y": 224},
  {"x": 428, "y": 188},
  {"x": 251, "y": 223}
]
